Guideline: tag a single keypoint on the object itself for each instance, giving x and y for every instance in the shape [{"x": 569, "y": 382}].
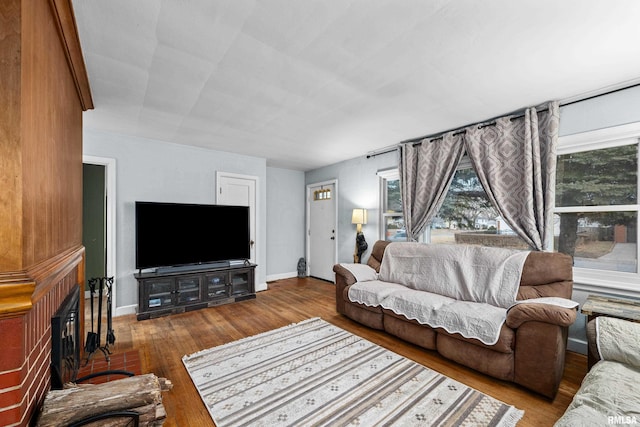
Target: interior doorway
[
  {"x": 94, "y": 221},
  {"x": 322, "y": 216},
  {"x": 99, "y": 217},
  {"x": 240, "y": 190}
]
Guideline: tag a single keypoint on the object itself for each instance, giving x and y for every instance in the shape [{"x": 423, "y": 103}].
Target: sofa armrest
[
  {"x": 360, "y": 272},
  {"x": 347, "y": 277},
  {"x": 344, "y": 279},
  {"x": 547, "y": 313},
  {"x": 616, "y": 339}
]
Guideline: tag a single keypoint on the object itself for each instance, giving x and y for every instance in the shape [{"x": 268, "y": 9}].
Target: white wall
[
  {"x": 358, "y": 187},
  {"x": 149, "y": 170},
  {"x": 358, "y": 183},
  {"x": 285, "y": 222}
]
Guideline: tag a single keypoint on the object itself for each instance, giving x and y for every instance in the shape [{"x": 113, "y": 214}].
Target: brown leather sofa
[{"x": 532, "y": 343}]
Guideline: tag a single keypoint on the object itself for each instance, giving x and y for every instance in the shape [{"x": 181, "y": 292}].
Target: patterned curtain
[
  {"x": 515, "y": 161},
  {"x": 426, "y": 170}
]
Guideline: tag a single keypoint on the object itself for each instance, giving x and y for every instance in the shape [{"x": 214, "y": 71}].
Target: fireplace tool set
[{"x": 93, "y": 343}]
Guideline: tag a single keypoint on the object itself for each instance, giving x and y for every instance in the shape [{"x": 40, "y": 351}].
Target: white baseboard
[
  {"x": 577, "y": 345},
  {"x": 261, "y": 286},
  {"x": 127, "y": 309},
  {"x": 274, "y": 277}
]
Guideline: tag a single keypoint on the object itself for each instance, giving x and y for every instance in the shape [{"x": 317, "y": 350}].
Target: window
[
  {"x": 467, "y": 216},
  {"x": 392, "y": 221},
  {"x": 322, "y": 194},
  {"x": 596, "y": 213},
  {"x": 596, "y": 209}
]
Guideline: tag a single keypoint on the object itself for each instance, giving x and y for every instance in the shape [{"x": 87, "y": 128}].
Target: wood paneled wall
[
  {"x": 10, "y": 143},
  {"x": 43, "y": 91}
]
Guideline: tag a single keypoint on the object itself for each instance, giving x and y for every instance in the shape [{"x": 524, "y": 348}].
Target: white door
[
  {"x": 321, "y": 203},
  {"x": 239, "y": 190}
]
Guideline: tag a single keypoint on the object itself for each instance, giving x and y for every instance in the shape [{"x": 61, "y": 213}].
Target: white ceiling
[{"x": 307, "y": 83}]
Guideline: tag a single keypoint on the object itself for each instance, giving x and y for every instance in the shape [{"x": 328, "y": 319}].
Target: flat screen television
[{"x": 176, "y": 234}]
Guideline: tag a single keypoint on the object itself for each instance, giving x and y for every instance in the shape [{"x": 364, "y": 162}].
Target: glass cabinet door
[
  {"x": 216, "y": 286},
  {"x": 240, "y": 282},
  {"x": 159, "y": 293},
  {"x": 188, "y": 289}
]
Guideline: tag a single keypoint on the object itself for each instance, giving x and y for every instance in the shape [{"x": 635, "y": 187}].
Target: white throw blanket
[
  {"x": 470, "y": 319},
  {"x": 373, "y": 293},
  {"x": 617, "y": 340},
  {"x": 362, "y": 272},
  {"x": 557, "y": 301},
  {"x": 462, "y": 289},
  {"x": 462, "y": 272}
]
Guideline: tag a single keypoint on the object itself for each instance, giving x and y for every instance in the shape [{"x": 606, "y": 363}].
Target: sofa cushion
[
  {"x": 409, "y": 330},
  {"x": 542, "y": 268},
  {"x": 483, "y": 359},
  {"x": 368, "y": 316},
  {"x": 617, "y": 340},
  {"x": 546, "y": 274},
  {"x": 470, "y": 319},
  {"x": 610, "y": 389},
  {"x": 372, "y": 292},
  {"x": 559, "y": 289},
  {"x": 505, "y": 344},
  {"x": 425, "y": 336},
  {"x": 376, "y": 254}
]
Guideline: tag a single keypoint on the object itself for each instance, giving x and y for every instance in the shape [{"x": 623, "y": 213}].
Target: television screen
[{"x": 170, "y": 234}]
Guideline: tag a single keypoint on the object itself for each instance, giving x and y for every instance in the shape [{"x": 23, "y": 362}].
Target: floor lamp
[{"x": 359, "y": 217}]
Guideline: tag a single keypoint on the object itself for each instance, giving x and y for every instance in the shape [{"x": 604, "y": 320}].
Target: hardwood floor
[{"x": 163, "y": 341}]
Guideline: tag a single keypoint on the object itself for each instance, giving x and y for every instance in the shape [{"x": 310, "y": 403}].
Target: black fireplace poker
[
  {"x": 111, "y": 336},
  {"x": 94, "y": 338}
]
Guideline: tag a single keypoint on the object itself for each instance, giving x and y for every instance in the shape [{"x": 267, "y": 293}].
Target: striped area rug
[{"x": 314, "y": 373}]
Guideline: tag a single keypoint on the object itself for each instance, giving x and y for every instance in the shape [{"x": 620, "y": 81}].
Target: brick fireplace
[{"x": 26, "y": 340}]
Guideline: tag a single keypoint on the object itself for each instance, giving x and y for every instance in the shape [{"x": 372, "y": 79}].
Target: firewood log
[{"x": 141, "y": 393}]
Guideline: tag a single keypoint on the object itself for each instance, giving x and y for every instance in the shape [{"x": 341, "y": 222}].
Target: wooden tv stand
[{"x": 168, "y": 292}]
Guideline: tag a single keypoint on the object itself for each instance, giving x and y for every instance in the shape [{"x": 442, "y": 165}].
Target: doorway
[
  {"x": 240, "y": 190},
  {"x": 94, "y": 221},
  {"x": 98, "y": 228},
  {"x": 322, "y": 214}
]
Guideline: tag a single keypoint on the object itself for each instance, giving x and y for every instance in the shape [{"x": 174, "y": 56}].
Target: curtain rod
[
  {"x": 440, "y": 135},
  {"x": 491, "y": 122},
  {"x": 379, "y": 153}
]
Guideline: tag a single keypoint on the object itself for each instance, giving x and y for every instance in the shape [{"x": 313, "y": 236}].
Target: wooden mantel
[{"x": 18, "y": 290}]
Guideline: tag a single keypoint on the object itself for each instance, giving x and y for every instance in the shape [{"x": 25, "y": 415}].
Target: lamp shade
[{"x": 359, "y": 216}]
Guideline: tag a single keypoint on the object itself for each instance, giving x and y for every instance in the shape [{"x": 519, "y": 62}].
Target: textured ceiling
[{"x": 307, "y": 83}]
